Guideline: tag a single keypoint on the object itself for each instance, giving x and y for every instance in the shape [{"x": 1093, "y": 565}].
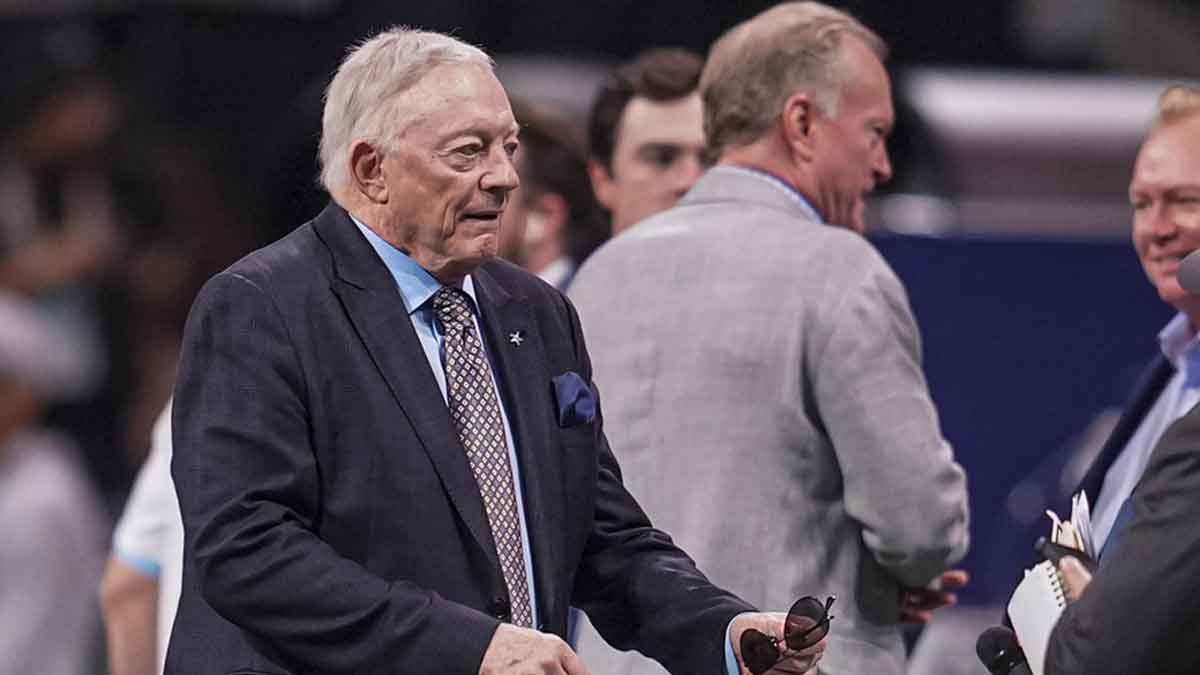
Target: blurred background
[{"x": 147, "y": 144}]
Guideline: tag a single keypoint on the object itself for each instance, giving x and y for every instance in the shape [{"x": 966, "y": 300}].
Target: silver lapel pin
[{"x": 516, "y": 338}]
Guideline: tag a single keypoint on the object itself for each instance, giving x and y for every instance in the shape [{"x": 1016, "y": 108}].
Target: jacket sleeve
[
  {"x": 249, "y": 492},
  {"x": 1136, "y": 616},
  {"x": 900, "y": 478}
]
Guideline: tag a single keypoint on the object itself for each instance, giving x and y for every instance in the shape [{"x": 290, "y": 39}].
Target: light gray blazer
[{"x": 761, "y": 381}]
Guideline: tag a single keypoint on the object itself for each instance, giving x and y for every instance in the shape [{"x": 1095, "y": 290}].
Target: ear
[
  {"x": 366, "y": 171},
  {"x": 797, "y": 125},
  {"x": 602, "y": 183}
]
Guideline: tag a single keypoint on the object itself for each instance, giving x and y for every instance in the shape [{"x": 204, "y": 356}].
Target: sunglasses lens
[
  {"x": 806, "y": 624},
  {"x": 758, "y": 651}
]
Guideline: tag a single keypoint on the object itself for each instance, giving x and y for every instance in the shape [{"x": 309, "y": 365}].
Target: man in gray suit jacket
[{"x": 760, "y": 359}]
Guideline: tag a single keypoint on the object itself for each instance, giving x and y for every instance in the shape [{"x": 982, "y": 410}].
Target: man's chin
[
  {"x": 1172, "y": 293},
  {"x": 477, "y": 257},
  {"x": 481, "y": 247},
  {"x": 488, "y": 249}
]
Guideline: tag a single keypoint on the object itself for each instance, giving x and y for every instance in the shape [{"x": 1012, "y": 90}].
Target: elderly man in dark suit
[{"x": 389, "y": 456}]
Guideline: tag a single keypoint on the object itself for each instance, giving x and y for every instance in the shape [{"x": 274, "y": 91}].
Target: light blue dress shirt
[
  {"x": 1182, "y": 348},
  {"x": 777, "y": 183},
  {"x": 416, "y": 288}
]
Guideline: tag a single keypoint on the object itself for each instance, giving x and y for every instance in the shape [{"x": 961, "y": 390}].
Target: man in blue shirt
[
  {"x": 388, "y": 452},
  {"x": 1137, "y": 615},
  {"x": 1164, "y": 193}
]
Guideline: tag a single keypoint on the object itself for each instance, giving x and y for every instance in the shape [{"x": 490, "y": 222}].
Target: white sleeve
[{"x": 143, "y": 530}]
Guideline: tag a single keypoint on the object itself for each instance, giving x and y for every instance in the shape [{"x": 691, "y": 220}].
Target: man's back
[{"x": 754, "y": 361}]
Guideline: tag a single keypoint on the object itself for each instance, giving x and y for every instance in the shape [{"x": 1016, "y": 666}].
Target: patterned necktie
[{"x": 473, "y": 404}]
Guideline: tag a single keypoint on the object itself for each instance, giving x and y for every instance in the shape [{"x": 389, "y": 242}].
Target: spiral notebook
[
  {"x": 1034, "y": 609},
  {"x": 1039, "y": 599}
]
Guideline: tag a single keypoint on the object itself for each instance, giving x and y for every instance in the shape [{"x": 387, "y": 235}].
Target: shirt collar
[
  {"x": 1181, "y": 345},
  {"x": 416, "y": 285},
  {"x": 779, "y": 183}
]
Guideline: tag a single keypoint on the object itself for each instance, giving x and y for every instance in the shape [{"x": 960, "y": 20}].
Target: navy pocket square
[{"x": 573, "y": 399}]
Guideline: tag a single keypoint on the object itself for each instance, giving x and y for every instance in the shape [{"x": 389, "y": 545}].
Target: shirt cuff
[
  {"x": 731, "y": 664},
  {"x": 144, "y": 566}
]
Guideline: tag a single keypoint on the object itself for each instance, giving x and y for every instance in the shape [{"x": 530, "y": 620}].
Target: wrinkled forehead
[{"x": 455, "y": 95}]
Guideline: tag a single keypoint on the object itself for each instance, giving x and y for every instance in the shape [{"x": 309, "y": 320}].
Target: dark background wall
[
  {"x": 1025, "y": 342},
  {"x": 226, "y": 75}
]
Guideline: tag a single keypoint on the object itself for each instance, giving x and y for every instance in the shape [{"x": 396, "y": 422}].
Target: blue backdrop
[{"x": 1024, "y": 342}]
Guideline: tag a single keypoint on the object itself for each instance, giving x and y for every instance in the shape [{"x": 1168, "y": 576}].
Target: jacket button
[{"x": 500, "y": 608}]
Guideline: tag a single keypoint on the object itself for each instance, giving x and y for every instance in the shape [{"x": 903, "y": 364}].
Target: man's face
[
  {"x": 449, "y": 170},
  {"x": 657, "y": 157},
  {"x": 850, "y": 150},
  {"x": 1165, "y": 194}
]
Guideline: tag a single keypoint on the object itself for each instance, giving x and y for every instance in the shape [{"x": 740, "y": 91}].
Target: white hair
[{"x": 359, "y": 102}]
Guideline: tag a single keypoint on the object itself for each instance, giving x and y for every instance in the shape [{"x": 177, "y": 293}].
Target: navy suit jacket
[
  {"x": 1013, "y": 540},
  {"x": 332, "y": 522},
  {"x": 1147, "y": 391}
]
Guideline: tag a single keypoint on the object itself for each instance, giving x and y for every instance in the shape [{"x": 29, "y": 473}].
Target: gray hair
[
  {"x": 1177, "y": 102},
  {"x": 360, "y": 101},
  {"x": 754, "y": 68}
]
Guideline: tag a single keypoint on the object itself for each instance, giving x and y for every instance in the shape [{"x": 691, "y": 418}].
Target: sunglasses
[{"x": 807, "y": 624}]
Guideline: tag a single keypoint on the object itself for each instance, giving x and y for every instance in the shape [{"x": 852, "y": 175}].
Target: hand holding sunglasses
[{"x": 804, "y": 627}]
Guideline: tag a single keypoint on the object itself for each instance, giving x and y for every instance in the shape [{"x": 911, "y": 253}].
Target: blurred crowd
[{"x": 106, "y": 231}]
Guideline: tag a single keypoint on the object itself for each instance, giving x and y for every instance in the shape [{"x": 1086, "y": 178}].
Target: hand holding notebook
[{"x": 1040, "y": 598}]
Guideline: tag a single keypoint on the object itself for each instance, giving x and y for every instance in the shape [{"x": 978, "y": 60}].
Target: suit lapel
[
  {"x": 370, "y": 298},
  {"x": 1149, "y": 386},
  {"x": 519, "y": 355}
]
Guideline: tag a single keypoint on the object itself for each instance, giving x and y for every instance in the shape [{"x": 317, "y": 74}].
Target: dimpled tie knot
[{"x": 471, "y": 396}]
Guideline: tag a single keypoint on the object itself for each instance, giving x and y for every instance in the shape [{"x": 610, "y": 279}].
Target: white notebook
[{"x": 1034, "y": 609}]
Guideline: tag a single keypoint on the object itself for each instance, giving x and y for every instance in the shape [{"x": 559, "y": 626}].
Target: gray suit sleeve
[
  {"x": 1139, "y": 614},
  {"x": 900, "y": 478}
]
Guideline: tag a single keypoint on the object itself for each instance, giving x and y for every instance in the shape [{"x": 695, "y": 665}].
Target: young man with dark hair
[{"x": 646, "y": 136}]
